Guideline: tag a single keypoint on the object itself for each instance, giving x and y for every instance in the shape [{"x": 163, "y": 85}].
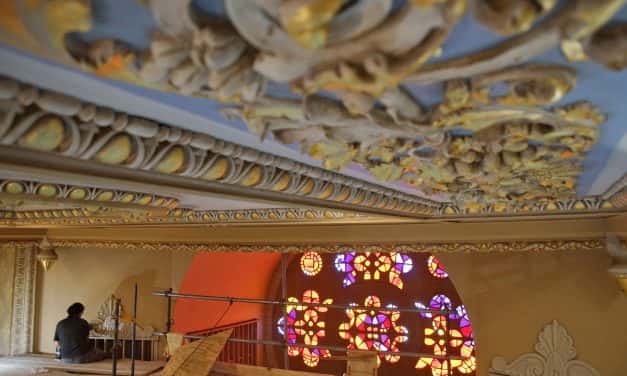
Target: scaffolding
[{"x": 169, "y": 294}]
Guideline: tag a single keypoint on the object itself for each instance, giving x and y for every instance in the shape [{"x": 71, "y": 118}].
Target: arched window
[{"x": 379, "y": 287}]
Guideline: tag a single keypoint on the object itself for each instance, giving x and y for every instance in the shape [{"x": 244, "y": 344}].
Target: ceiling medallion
[{"x": 497, "y": 141}]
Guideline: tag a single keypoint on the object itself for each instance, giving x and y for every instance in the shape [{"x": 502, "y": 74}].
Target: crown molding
[
  {"x": 132, "y": 143},
  {"x": 107, "y": 216},
  {"x": 466, "y": 247},
  {"x": 617, "y": 193}
]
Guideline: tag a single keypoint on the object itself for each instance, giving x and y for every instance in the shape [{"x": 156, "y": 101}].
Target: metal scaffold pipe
[
  {"x": 229, "y": 299},
  {"x": 330, "y": 348}
]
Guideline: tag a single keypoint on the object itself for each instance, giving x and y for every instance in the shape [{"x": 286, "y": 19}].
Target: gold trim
[
  {"x": 18, "y": 189},
  {"x": 455, "y": 247},
  {"x": 112, "y": 216}
]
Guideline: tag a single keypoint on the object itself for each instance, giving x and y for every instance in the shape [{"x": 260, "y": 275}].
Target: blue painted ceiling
[{"x": 605, "y": 163}]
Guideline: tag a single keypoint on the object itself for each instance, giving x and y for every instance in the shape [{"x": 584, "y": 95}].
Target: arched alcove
[{"x": 237, "y": 274}]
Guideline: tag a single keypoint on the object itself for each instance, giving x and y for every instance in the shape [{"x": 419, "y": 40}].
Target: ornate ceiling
[{"x": 423, "y": 108}]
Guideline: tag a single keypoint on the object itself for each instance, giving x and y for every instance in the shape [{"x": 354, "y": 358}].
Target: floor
[{"x": 47, "y": 365}]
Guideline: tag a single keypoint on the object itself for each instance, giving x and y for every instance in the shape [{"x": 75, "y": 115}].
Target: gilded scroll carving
[
  {"x": 608, "y": 46},
  {"x": 481, "y": 149},
  {"x": 510, "y": 153},
  {"x": 509, "y": 17},
  {"x": 555, "y": 354}
]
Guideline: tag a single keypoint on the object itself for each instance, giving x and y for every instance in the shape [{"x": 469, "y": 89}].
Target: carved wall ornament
[
  {"x": 25, "y": 282},
  {"x": 554, "y": 354},
  {"x": 105, "y": 323}
]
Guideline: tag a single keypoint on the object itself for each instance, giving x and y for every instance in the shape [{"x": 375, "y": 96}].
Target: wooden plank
[
  {"x": 103, "y": 367},
  {"x": 197, "y": 358},
  {"x": 234, "y": 369}
]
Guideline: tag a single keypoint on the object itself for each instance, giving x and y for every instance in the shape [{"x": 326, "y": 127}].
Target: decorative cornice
[
  {"x": 115, "y": 216},
  {"x": 84, "y": 194},
  {"x": 617, "y": 193},
  {"x": 454, "y": 247},
  {"x": 88, "y": 132},
  {"x": 44, "y": 121}
]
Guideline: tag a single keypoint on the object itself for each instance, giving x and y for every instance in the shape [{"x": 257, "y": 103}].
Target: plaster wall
[
  {"x": 510, "y": 297},
  {"x": 238, "y": 274},
  {"x": 7, "y": 272},
  {"x": 90, "y": 275}
]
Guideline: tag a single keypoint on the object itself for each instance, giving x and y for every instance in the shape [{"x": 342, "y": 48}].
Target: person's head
[{"x": 76, "y": 310}]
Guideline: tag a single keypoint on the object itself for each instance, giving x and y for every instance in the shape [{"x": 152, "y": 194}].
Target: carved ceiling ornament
[
  {"x": 555, "y": 355},
  {"x": 509, "y": 153},
  {"x": 480, "y": 149},
  {"x": 40, "y": 120}
]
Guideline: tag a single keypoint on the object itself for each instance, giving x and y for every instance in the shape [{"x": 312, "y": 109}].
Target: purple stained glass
[{"x": 403, "y": 263}]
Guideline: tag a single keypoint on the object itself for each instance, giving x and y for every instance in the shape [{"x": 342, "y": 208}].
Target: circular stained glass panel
[{"x": 311, "y": 263}]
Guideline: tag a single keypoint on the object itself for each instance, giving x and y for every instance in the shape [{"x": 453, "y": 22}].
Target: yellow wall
[
  {"x": 510, "y": 297},
  {"x": 90, "y": 275},
  {"x": 7, "y": 271}
]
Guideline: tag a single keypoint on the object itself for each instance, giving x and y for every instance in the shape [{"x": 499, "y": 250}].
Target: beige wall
[
  {"x": 90, "y": 275},
  {"x": 510, "y": 297},
  {"x": 7, "y": 271}
]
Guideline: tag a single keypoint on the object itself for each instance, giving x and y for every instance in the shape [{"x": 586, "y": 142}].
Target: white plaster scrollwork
[
  {"x": 22, "y": 323},
  {"x": 555, "y": 356}
]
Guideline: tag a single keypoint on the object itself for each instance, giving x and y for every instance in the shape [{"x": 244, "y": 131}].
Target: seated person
[{"x": 72, "y": 336}]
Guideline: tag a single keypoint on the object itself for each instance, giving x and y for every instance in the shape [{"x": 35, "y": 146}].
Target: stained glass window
[
  {"x": 446, "y": 340},
  {"x": 305, "y": 325},
  {"x": 311, "y": 263},
  {"x": 435, "y": 268},
  {"x": 372, "y": 265},
  {"x": 374, "y": 328},
  {"x": 373, "y": 286}
]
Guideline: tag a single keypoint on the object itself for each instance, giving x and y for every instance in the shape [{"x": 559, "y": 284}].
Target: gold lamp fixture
[
  {"x": 46, "y": 254},
  {"x": 619, "y": 255}
]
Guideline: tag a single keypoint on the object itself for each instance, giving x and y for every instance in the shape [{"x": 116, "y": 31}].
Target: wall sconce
[
  {"x": 46, "y": 254},
  {"x": 619, "y": 256}
]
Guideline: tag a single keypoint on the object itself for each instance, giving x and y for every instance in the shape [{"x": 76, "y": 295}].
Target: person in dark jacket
[{"x": 72, "y": 337}]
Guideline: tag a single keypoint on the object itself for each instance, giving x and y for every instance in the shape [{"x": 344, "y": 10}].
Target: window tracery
[{"x": 373, "y": 287}]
